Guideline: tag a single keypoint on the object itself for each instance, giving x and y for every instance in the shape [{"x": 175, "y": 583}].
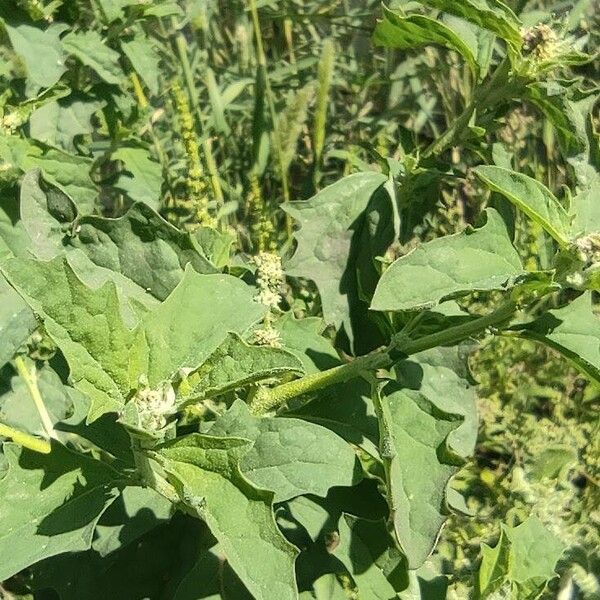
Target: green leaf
[
  {"x": 18, "y": 409},
  {"x": 85, "y": 324},
  {"x": 46, "y": 212},
  {"x": 135, "y": 512},
  {"x": 14, "y": 240},
  {"x": 57, "y": 123},
  {"x": 530, "y": 196},
  {"x": 113, "y": 9},
  {"x": 495, "y": 564},
  {"x": 143, "y": 181},
  {"x": 41, "y": 52},
  {"x": 573, "y": 330},
  {"x": 327, "y": 587},
  {"x": 144, "y": 59},
  {"x": 69, "y": 173},
  {"x": 107, "y": 358},
  {"x": 414, "y": 441},
  {"x": 206, "y": 473},
  {"x": 289, "y": 457},
  {"x": 524, "y": 557},
  {"x": 585, "y": 207},
  {"x": 193, "y": 322},
  {"x": 152, "y": 567},
  {"x": 567, "y": 108},
  {"x": 50, "y": 504},
  {"x": 303, "y": 338},
  {"x": 366, "y": 550},
  {"x": 101, "y": 248},
  {"x": 492, "y": 15},
  {"x": 550, "y": 462},
  {"x": 211, "y": 578},
  {"x": 90, "y": 49},
  {"x": 347, "y": 410},
  {"x": 535, "y": 552},
  {"x": 105, "y": 432},
  {"x": 17, "y": 321},
  {"x": 440, "y": 375},
  {"x": 141, "y": 237},
  {"x": 48, "y": 215},
  {"x": 235, "y": 364},
  {"x": 413, "y": 31},
  {"x": 326, "y": 242},
  {"x": 473, "y": 260}
]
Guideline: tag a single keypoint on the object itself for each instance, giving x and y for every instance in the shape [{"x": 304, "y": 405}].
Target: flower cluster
[
  {"x": 270, "y": 278},
  {"x": 540, "y": 42},
  {"x": 267, "y": 336},
  {"x": 544, "y": 49},
  {"x": 587, "y": 252},
  {"x": 154, "y": 406}
]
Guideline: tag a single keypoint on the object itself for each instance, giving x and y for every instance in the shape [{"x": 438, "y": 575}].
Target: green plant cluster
[{"x": 299, "y": 300}]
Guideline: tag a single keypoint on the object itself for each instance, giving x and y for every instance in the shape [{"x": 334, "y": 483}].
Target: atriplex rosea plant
[{"x": 187, "y": 419}]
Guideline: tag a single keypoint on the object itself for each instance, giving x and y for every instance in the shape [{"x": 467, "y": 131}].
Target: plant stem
[
  {"x": 25, "y": 439},
  {"x": 270, "y": 399},
  {"x": 30, "y": 379},
  {"x": 456, "y": 334},
  {"x": 149, "y": 477}
]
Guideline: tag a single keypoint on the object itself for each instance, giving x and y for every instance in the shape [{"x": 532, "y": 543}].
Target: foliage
[{"x": 299, "y": 300}]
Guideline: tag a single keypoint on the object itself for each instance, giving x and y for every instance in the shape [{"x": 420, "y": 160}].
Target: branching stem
[{"x": 271, "y": 399}]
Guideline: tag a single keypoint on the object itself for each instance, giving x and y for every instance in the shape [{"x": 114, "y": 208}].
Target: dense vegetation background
[{"x": 216, "y": 112}]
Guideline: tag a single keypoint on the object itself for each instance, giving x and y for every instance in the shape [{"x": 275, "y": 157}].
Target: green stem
[
  {"x": 30, "y": 379},
  {"x": 149, "y": 477},
  {"x": 270, "y": 399},
  {"x": 25, "y": 439},
  {"x": 456, "y": 334}
]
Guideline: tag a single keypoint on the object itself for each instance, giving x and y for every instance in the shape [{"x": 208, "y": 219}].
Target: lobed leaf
[
  {"x": 492, "y": 15},
  {"x": 328, "y": 225},
  {"x": 17, "y": 321},
  {"x": 524, "y": 557},
  {"x": 193, "y": 322},
  {"x": 235, "y": 364},
  {"x": 366, "y": 551},
  {"x": 144, "y": 179},
  {"x": 58, "y": 123},
  {"x": 474, "y": 260},
  {"x": 289, "y": 457},
  {"x": 205, "y": 471},
  {"x": 107, "y": 358},
  {"x": 86, "y": 325},
  {"x": 144, "y": 59},
  {"x": 414, "y": 442},
  {"x": 90, "y": 49},
  {"x": 41, "y": 51}
]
